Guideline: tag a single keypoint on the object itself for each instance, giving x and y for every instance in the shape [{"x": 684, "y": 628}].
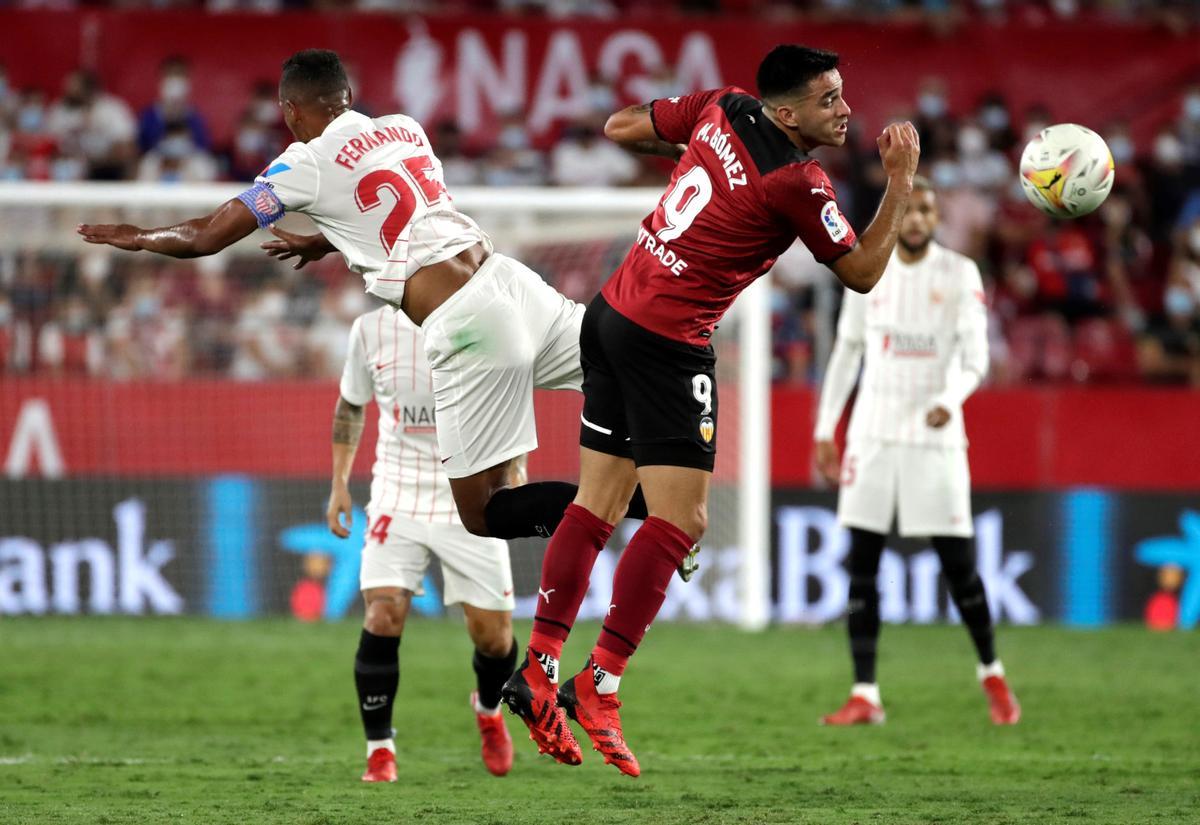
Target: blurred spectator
[
  {"x": 70, "y": 344},
  {"x": 14, "y": 338},
  {"x": 327, "y": 339},
  {"x": 514, "y": 161},
  {"x": 1170, "y": 351},
  {"x": 268, "y": 344},
  {"x": 254, "y": 147},
  {"x": 177, "y": 159},
  {"x": 584, "y": 157},
  {"x": 94, "y": 126},
  {"x": 146, "y": 339},
  {"x": 457, "y": 169},
  {"x": 172, "y": 109},
  {"x": 1066, "y": 265}
]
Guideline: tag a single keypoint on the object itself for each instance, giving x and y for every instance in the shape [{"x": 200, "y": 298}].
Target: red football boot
[
  {"x": 856, "y": 711},
  {"x": 530, "y": 695},
  {"x": 599, "y": 718},
  {"x": 1001, "y": 701},
  {"x": 497, "y": 744},
  {"x": 381, "y": 766}
]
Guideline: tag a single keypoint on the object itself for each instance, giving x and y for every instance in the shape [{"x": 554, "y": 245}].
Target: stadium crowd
[
  {"x": 1176, "y": 14},
  {"x": 1112, "y": 297}
]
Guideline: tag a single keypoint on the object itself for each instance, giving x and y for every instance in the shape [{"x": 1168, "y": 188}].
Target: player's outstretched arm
[
  {"x": 196, "y": 238},
  {"x": 347, "y": 430},
  {"x": 862, "y": 267},
  {"x": 304, "y": 248},
  {"x": 633, "y": 128}
]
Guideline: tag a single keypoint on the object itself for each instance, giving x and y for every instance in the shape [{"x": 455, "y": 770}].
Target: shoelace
[{"x": 610, "y": 702}]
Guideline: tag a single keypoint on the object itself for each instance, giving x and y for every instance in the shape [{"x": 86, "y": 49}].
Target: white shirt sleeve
[
  {"x": 290, "y": 183},
  {"x": 356, "y": 385},
  {"x": 844, "y": 363},
  {"x": 971, "y": 341}
]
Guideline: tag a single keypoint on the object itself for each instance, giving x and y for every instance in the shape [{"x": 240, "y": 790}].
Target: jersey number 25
[{"x": 412, "y": 182}]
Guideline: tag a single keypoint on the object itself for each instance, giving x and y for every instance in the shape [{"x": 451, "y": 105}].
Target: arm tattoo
[
  {"x": 347, "y": 423},
  {"x": 642, "y": 108}
]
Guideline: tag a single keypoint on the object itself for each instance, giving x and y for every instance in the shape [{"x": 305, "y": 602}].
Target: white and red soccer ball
[{"x": 1067, "y": 170}]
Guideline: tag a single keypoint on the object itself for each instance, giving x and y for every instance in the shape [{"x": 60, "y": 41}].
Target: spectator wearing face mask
[
  {"x": 172, "y": 107},
  {"x": 70, "y": 344},
  {"x": 1170, "y": 351},
  {"x": 146, "y": 338},
  {"x": 268, "y": 344},
  {"x": 177, "y": 159}
]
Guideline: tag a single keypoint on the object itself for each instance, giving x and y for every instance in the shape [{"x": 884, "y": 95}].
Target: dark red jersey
[{"x": 739, "y": 196}]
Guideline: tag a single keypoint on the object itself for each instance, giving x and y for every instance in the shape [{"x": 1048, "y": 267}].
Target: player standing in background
[
  {"x": 410, "y": 517},
  {"x": 493, "y": 329},
  {"x": 923, "y": 330},
  {"x": 743, "y": 190}
]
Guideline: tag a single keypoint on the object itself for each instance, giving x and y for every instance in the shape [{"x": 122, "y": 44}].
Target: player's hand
[
  {"x": 937, "y": 417},
  {"x": 121, "y": 235},
  {"x": 900, "y": 150},
  {"x": 829, "y": 463},
  {"x": 304, "y": 248},
  {"x": 339, "y": 506}
]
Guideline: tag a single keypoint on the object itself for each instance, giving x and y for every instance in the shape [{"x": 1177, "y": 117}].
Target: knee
[
  {"x": 475, "y": 521},
  {"x": 384, "y": 616},
  {"x": 694, "y": 521}
]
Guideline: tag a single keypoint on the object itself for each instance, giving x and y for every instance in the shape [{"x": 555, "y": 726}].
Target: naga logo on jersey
[
  {"x": 833, "y": 221},
  {"x": 707, "y": 429}
]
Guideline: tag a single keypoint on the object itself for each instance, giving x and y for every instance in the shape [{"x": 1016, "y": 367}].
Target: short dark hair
[
  {"x": 789, "y": 68},
  {"x": 312, "y": 74}
]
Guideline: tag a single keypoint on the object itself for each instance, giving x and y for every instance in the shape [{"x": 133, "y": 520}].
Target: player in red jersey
[{"x": 745, "y": 187}]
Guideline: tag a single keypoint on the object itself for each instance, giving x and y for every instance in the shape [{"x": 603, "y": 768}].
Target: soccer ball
[{"x": 1067, "y": 170}]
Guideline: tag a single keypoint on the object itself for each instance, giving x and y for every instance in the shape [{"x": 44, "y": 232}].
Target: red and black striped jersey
[{"x": 739, "y": 196}]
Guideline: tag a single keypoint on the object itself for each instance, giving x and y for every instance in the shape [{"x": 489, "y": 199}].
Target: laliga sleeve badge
[
  {"x": 834, "y": 223},
  {"x": 707, "y": 429}
]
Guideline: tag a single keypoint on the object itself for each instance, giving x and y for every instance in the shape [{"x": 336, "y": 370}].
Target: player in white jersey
[
  {"x": 493, "y": 329},
  {"x": 411, "y": 517},
  {"x": 922, "y": 333}
]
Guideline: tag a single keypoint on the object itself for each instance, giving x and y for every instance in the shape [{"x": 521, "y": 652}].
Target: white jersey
[
  {"x": 375, "y": 189},
  {"x": 923, "y": 332},
  {"x": 386, "y": 361}
]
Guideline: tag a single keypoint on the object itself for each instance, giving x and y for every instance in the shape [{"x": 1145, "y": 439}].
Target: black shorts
[{"x": 646, "y": 397}]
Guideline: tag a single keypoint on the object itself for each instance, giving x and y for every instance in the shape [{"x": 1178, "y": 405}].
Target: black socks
[
  {"x": 536, "y": 509},
  {"x": 377, "y": 676},
  {"x": 863, "y": 606},
  {"x": 491, "y": 674},
  {"x": 966, "y": 589}
]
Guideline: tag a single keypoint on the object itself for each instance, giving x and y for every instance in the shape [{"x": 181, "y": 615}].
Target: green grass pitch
[{"x": 106, "y": 721}]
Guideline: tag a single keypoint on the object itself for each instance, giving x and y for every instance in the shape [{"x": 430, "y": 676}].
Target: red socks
[
  {"x": 566, "y": 573},
  {"x": 639, "y": 587}
]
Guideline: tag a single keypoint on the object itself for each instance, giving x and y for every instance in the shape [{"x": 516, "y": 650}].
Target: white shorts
[
  {"x": 476, "y": 571},
  {"x": 504, "y": 333},
  {"x": 930, "y": 486}
]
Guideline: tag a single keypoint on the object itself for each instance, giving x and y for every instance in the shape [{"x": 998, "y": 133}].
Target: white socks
[
  {"x": 984, "y": 671},
  {"x": 606, "y": 683},
  {"x": 375, "y": 744},
  {"x": 484, "y": 711},
  {"x": 868, "y": 691}
]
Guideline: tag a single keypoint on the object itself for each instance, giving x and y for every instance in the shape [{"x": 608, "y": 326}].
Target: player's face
[
  {"x": 921, "y": 218},
  {"x": 821, "y": 116}
]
